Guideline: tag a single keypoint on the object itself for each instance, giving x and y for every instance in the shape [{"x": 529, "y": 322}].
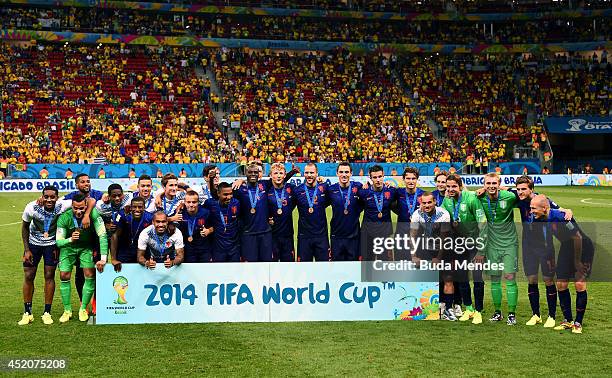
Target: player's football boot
[
  {"x": 467, "y": 315},
  {"x": 26, "y": 319},
  {"x": 497, "y": 317},
  {"x": 457, "y": 311},
  {"x": 535, "y": 319},
  {"x": 577, "y": 328},
  {"x": 550, "y": 323},
  {"x": 563, "y": 326},
  {"x": 477, "y": 319},
  {"x": 511, "y": 319},
  {"x": 83, "y": 315},
  {"x": 448, "y": 315},
  {"x": 67, "y": 315},
  {"x": 46, "y": 318}
]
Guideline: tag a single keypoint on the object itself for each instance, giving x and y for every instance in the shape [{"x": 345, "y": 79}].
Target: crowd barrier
[
  {"x": 36, "y": 185},
  {"x": 57, "y": 171},
  {"x": 257, "y": 292}
]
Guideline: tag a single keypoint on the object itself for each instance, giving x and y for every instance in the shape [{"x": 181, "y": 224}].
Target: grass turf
[{"x": 390, "y": 348}]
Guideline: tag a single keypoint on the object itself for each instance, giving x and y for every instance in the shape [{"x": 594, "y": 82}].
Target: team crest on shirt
[
  {"x": 201, "y": 222},
  {"x": 354, "y": 190},
  {"x": 320, "y": 188},
  {"x": 463, "y": 207},
  {"x": 288, "y": 190},
  {"x": 503, "y": 204},
  {"x": 234, "y": 209},
  {"x": 387, "y": 195},
  {"x": 168, "y": 244}
]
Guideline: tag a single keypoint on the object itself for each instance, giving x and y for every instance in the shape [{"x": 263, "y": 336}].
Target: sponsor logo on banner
[{"x": 578, "y": 123}]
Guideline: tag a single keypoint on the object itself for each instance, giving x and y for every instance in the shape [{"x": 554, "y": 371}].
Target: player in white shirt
[
  {"x": 38, "y": 235},
  {"x": 159, "y": 244},
  {"x": 144, "y": 189},
  {"x": 432, "y": 224}
]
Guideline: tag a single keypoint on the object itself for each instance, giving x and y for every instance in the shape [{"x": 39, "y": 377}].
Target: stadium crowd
[
  {"x": 65, "y": 103},
  {"x": 102, "y": 20}
]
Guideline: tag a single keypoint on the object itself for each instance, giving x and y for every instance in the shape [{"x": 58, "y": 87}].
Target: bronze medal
[
  {"x": 279, "y": 211},
  {"x": 310, "y": 210},
  {"x": 190, "y": 239},
  {"x": 46, "y": 234},
  {"x": 346, "y": 211},
  {"x": 253, "y": 210},
  {"x": 379, "y": 215}
]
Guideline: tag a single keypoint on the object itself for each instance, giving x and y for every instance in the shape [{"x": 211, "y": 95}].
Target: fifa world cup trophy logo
[{"x": 120, "y": 284}]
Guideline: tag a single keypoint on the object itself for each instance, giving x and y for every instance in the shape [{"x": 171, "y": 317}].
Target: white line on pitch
[
  {"x": 586, "y": 200},
  {"x": 9, "y": 224}
]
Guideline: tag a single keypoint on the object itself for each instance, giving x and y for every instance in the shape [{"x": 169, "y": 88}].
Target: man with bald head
[{"x": 574, "y": 260}]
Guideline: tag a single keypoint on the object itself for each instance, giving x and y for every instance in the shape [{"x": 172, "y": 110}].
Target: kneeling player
[
  {"x": 158, "y": 244},
  {"x": 79, "y": 246},
  {"x": 433, "y": 224}
]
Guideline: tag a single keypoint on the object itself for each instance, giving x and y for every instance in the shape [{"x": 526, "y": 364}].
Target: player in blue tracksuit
[
  {"x": 312, "y": 200},
  {"x": 225, "y": 219},
  {"x": 124, "y": 241},
  {"x": 281, "y": 202},
  {"x": 256, "y": 236},
  {"x": 440, "y": 191},
  {"x": 377, "y": 200},
  {"x": 196, "y": 229},
  {"x": 575, "y": 259},
  {"x": 346, "y": 210},
  {"x": 408, "y": 201}
]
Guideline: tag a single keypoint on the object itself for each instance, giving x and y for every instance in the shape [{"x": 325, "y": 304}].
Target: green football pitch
[{"x": 390, "y": 348}]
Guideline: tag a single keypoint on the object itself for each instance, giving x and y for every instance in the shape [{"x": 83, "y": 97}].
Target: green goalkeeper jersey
[
  {"x": 67, "y": 223},
  {"x": 501, "y": 231},
  {"x": 467, "y": 211}
]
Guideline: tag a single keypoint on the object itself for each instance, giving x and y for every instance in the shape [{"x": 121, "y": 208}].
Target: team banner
[
  {"x": 63, "y": 185},
  {"x": 579, "y": 125},
  {"x": 257, "y": 292}
]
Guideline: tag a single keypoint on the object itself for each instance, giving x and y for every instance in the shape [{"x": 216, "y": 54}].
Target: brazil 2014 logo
[{"x": 120, "y": 284}]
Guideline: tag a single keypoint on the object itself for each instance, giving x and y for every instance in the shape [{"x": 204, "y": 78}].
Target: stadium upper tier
[{"x": 211, "y": 25}]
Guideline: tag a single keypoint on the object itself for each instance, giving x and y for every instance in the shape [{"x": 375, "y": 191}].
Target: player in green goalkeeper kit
[
  {"x": 75, "y": 243},
  {"x": 501, "y": 244}
]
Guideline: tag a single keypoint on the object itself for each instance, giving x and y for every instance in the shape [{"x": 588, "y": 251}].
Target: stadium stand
[
  {"x": 69, "y": 103},
  {"x": 125, "y": 21}
]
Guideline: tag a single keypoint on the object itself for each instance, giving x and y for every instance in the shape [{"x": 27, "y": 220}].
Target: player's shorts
[
  {"x": 127, "y": 256},
  {"x": 535, "y": 260},
  {"x": 69, "y": 256},
  {"x": 256, "y": 247},
  {"x": 49, "y": 254},
  {"x": 198, "y": 255},
  {"x": 507, "y": 256},
  {"x": 283, "y": 249},
  {"x": 317, "y": 248},
  {"x": 343, "y": 249},
  {"x": 226, "y": 255},
  {"x": 566, "y": 269}
]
